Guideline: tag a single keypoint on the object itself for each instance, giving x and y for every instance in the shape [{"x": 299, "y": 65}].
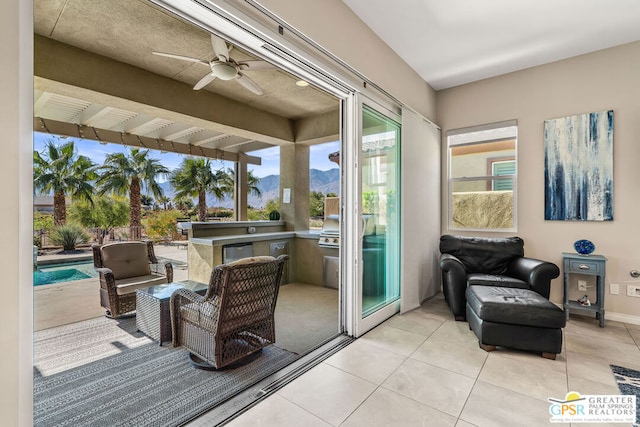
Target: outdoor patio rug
[
  {"x": 102, "y": 372},
  {"x": 629, "y": 383}
]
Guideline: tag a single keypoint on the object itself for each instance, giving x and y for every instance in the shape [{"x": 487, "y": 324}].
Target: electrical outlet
[
  {"x": 633, "y": 291},
  {"x": 614, "y": 288},
  {"x": 582, "y": 285}
]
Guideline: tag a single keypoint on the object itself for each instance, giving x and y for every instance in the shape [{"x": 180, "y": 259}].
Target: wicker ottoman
[{"x": 515, "y": 318}]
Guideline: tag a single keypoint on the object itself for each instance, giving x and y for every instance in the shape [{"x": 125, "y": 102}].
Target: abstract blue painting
[{"x": 578, "y": 167}]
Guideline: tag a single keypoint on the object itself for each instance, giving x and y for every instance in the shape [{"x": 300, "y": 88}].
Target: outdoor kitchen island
[{"x": 214, "y": 243}]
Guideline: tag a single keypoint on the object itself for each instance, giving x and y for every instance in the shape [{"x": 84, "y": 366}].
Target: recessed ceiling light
[{"x": 302, "y": 83}]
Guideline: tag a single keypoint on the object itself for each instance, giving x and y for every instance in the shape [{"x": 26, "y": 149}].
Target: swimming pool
[
  {"x": 47, "y": 274},
  {"x": 64, "y": 272}
]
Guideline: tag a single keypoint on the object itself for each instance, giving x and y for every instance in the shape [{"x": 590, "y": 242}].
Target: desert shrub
[
  {"x": 220, "y": 213},
  {"x": 37, "y": 239},
  {"x": 42, "y": 221},
  {"x": 257, "y": 214},
  {"x": 162, "y": 225},
  {"x": 68, "y": 236}
]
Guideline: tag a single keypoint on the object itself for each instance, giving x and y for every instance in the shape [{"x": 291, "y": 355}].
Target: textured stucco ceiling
[{"x": 128, "y": 31}]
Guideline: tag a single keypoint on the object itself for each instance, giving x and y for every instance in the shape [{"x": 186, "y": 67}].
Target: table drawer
[{"x": 585, "y": 266}]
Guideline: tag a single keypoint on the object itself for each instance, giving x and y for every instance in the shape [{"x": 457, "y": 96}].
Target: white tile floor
[{"x": 424, "y": 369}]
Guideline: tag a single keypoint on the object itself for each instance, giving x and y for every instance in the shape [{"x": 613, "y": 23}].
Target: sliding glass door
[{"x": 379, "y": 207}]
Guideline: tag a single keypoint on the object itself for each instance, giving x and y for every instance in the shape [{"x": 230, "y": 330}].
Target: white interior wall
[
  {"x": 603, "y": 80},
  {"x": 336, "y": 28}
]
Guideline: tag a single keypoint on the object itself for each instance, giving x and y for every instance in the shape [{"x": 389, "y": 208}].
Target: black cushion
[
  {"x": 480, "y": 279},
  {"x": 514, "y": 306},
  {"x": 483, "y": 254}
]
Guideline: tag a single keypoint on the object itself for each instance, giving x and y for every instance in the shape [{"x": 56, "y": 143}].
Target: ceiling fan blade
[
  {"x": 180, "y": 57},
  {"x": 220, "y": 48},
  {"x": 256, "y": 65},
  {"x": 249, "y": 84},
  {"x": 204, "y": 81}
]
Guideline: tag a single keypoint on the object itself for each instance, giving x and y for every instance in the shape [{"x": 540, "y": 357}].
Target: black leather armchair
[{"x": 467, "y": 261}]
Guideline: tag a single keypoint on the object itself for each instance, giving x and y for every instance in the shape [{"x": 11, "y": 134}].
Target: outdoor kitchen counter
[
  {"x": 241, "y": 238},
  {"x": 305, "y": 263},
  {"x": 207, "y": 252},
  {"x": 231, "y": 228}
]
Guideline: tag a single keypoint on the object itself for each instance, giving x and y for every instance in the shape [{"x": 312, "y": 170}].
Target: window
[
  {"x": 482, "y": 177},
  {"x": 501, "y": 168}
]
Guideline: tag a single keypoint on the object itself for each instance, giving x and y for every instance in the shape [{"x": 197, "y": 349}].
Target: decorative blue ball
[{"x": 584, "y": 247}]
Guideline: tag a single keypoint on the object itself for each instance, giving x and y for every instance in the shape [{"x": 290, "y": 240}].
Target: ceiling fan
[{"x": 224, "y": 67}]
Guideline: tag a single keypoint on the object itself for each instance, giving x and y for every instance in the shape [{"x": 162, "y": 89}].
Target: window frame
[{"x": 476, "y": 136}]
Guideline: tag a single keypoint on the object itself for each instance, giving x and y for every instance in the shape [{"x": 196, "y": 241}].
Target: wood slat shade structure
[{"x": 104, "y": 135}]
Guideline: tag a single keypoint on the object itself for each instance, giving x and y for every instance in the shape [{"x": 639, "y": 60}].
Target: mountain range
[{"x": 321, "y": 181}]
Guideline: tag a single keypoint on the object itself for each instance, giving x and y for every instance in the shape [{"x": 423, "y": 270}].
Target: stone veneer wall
[{"x": 483, "y": 209}]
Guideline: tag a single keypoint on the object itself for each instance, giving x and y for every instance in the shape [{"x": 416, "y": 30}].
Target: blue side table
[{"x": 592, "y": 265}]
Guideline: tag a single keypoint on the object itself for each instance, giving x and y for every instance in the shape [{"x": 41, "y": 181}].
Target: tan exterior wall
[
  {"x": 599, "y": 81},
  {"x": 309, "y": 261}
]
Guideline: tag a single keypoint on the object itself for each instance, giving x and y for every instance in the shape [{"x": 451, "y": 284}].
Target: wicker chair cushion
[
  {"x": 201, "y": 314},
  {"x": 126, "y": 260},
  {"x": 252, "y": 260},
  {"x": 130, "y": 284}
]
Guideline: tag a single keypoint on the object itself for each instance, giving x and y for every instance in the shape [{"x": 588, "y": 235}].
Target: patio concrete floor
[{"x": 69, "y": 302}]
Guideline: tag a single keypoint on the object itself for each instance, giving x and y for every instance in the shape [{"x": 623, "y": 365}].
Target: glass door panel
[{"x": 380, "y": 218}]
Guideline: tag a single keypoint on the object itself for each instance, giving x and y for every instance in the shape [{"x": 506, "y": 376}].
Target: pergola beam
[{"x": 109, "y": 136}]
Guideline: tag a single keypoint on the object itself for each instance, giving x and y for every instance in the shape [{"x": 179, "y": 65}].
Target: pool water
[
  {"x": 76, "y": 270},
  {"x": 67, "y": 272}
]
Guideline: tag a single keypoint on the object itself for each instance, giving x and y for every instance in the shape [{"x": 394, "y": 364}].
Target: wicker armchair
[
  {"x": 235, "y": 318},
  {"x": 125, "y": 267}
]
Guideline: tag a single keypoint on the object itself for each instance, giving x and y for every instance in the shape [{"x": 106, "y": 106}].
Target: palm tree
[
  {"x": 164, "y": 201},
  {"x": 60, "y": 170},
  {"x": 146, "y": 200},
  {"x": 252, "y": 182},
  {"x": 194, "y": 178},
  {"x": 183, "y": 203},
  {"x": 131, "y": 173}
]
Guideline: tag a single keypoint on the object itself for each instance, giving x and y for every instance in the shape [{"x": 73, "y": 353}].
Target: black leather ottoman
[{"x": 515, "y": 318}]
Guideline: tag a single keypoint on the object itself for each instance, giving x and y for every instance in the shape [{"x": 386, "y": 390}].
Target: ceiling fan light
[{"x": 224, "y": 71}]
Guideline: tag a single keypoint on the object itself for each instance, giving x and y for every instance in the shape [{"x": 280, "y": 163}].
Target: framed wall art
[{"x": 578, "y": 167}]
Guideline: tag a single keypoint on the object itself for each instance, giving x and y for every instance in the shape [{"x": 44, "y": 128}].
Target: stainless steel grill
[{"x": 330, "y": 234}]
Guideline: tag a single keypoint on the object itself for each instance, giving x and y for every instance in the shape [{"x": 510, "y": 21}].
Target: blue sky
[{"x": 270, "y": 156}]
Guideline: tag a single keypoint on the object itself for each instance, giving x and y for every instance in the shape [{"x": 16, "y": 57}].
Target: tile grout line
[{"x": 380, "y": 386}]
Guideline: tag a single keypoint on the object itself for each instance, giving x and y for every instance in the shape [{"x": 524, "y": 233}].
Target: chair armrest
[
  {"x": 536, "y": 272},
  {"x": 180, "y": 298},
  {"x": 183, "y": 296},
  {"x": 104, "y": 270},
  {"x": 450, "y": 263},
  {"x": 165, "y": 269},
  {"x": 106, "y": 276},
  {"x": 454, "y": 284}
]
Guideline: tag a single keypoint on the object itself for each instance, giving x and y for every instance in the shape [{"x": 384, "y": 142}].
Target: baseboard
[
  {"x": 620, "y": 317},
  {"x": 616, "y": 317}
]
